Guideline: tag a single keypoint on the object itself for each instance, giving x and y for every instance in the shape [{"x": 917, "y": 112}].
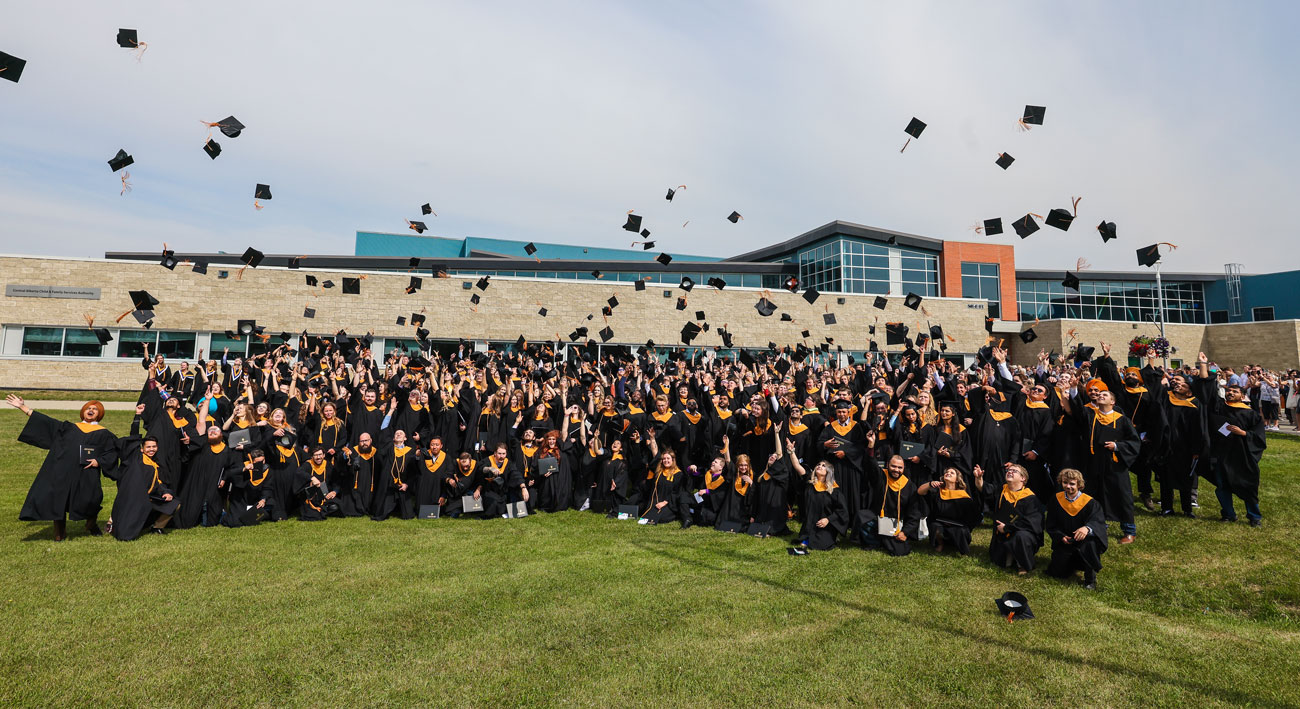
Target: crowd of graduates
[{"x": 796, "y": 442}]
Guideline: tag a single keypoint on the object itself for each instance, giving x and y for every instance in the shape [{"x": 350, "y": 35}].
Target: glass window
[
  {"x": 392, "y": 343},
  {"x": 79, "y": 342},
  {"x": 179, "y": 345},
  {"x": 131, "y": 343},
  {"x": 43, "y": 341},
  {"x": 220, "y": 343}
]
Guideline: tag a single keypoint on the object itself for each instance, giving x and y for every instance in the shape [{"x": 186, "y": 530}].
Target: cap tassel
[
  {"x": 909, "y": 142},
  {"x": 140, "y": 48},
  {"x": 977, "y": 228},
  {"x": 1074, "y": 204},
  {"x": 257, "y": 205},
  {"x": 126, "y": 186},
  {"x": 685, "y": 223},
  {"x": 90, "y": 319},
  {"x": 1020, "y": 122}
]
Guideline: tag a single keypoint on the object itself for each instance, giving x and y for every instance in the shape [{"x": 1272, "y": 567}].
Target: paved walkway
[{"x": 39, "y": 404}]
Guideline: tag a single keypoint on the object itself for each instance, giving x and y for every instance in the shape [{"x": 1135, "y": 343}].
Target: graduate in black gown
[
  {"x": 955, "y": 509},
  {"x": 358, "y": 478},
  {"x": 737, "y": 503},
  {"x": 314, "y": 487},
  {"x": 434, "y": 467},
  {"x": 843, "y": 443},
  {"x": 394, "y": 495},
  {"x": 284, "y": 464},
  {"x": 202, "y": 496},
  {"x": 250, "y": 492},
  {"x": 1184, "y": 443},
  {"x": 461, "y": 481},
  {"x": 663, "y": 501},
  {"x": 770, "y": 498},
  {"x": 1110, "y": 446},
  {"x": 500, "y": 480},
  {"x": 896, "y": 499},
  {"x": 1076, "y": 525},
  {"x": 1237, "y": 442},
  {"x": 555, "y": 487},
  {"x": 172, "y": 427},
  {"x": 951, "y": 444},
  {"x": 143, "y": 500},
  {"x": 613, "y": 481},
  {"x": 1018, "y": 522},
  {"x": 825, "y": 516},
  {"x": 67, "y": 485},
  {"x": 714, "y": 492}
]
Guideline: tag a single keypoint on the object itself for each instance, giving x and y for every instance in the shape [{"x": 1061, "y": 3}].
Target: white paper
[
  {"x": 1224, "y": 430},
  {"x": 699, "y": 498}
]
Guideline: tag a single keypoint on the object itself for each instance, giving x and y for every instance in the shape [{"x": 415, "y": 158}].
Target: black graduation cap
[
  {"x": 1025, "y": 226},
  {"x": 120, "y": 160},
  {"x": 640, "y": 285},
  {"x": 791, "y": 284},
  {"x": 285, "y": 337},
  {"x": 871, "y": 329},
  {"x": 1148, "y": 255},
  {"x": 765, "y": 307},
  {"x": 828, "y": 318},
  {"x": 212, "y": 148},
  {"x": 597, "y": 274},
  {"x": 606, "y": 334},
  {"x": 413, "y": 262},
  {"x": 421, "y": 333},
  {"x": 1071, "y": 281},
  {"x": 474, "y": 298},
  {"x": 295, "y": 262},
  {"x": 670, "y": 194},
  {"x": 613, "y": 302},
  {"x": 200, "y": 267},
  {"x": 401, "y": 319},
  {"x": 726, "y": 338},
  {"x": 417, "y": 227},
  {"x": 921, "y": 339},
  {"x": 417, "y": 319},
  {"x": 746, "y": 358},
  {"x": 426, "y": 208},
  {"x": 144, "y": 317},
  {"x": 872, "y": 346},
  {"x": 1059, "y": 218},
  {"x": 645, "y": 233},
  {"x": 681, "y": 303},
  {"x": 311, "y": 280},
  {"x": 880, "y": 303},
  {"x": 11, "y": 67},
  {"x": 103, "y": 335},
  {"x": 912, "y": 301},
  {"x": 252, "y": 257},
  {"x": 262, "y": 191},
  {"x": 785, "y": 317},
  {"x": 633, "y": 223},
  {"x": 824, "y": 347},
  {"x": 734, "y": 217},
  {"x": 1028, "y": 336},
  {"x": 1012, "y": 602},
  {"x": 689, "y": 332},
  {"x": 647, "y": 245},
  {"x": 142, "y": 300},
  {"x": 895, "y": 333},
  {"x": 914, "y": 127},
  {"x": 351, "y": 286},
  {"x": 530, "y": 249},
  {"x": 699, "y": 314},
  {"x": 1107, "y": 230},
  {"x": 805, "y": 334},
  {"x": 993, "y": 226},
  {"x": 231, "y": 128},
  {"x": 717, "y": 282},
  {"x": 415, "y": 285},
  {"x": 1083, "y": 352},
  {"x": 664, "y": 259},
  {"x": 168, "y": 260},
  {"x": 127, "y": 39},
  {"x": 1004, "y": 160},
  {"x": 1034, "y": 115},
  {"x": 936, "y": 331},
  {"x": 309, "y": 312},
  {"x": 542, "y": 312},
  {"x": 482, "y": 283},
  {"x": 687, "y": 284},
  {"x": 811, "y": 295}
]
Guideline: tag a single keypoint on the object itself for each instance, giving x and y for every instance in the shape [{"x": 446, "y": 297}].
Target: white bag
[
  {"x": 923, "y": 533},
  {"x": 888, "y": 526}
]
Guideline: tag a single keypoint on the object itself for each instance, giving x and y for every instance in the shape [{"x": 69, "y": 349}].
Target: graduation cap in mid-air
[
  {"x": 351, "y": 286},
  {"x": 993, "y": 226},
  {"x": 120, "y": 160},
  {"x": 912, "y": 301},
  {"x": 417, "y": 227},
  {"x": 828, "y": 318},
  {"x": 482, "y": 283},
  {"x": 401, "y": 319},
  {"x": 141, "y": 300},
  {"x": 811, "y": 295},
  {"x": 309, "y": 312},
  {"x": 11, "y": 67},
  {"x": 1004, "y": 160},
  {"x": 230, "y": 127},
  {"x": 212, "y": 148},
  {"x": 681, "y": 303},
  {"x": 913, "y": 130},
  {"x": 1025, "y": 226},
  {"x": 1148, "y": 255},
  {"x": 687, "y": 284},
  {"x": 1033, "y": 116},
  {"x": 327, "y": 284},
  {"x": 664, "y": 259},
  {"x": 103, "y": 335},
  {"x": 880, "y": 303},
  {"x": 1107, "y": 230},
  {"x": 895, "y": 333},
  {"x": 1071, "y": 281},
  {"x": 1028, "y": 336},
  {"x": 252, "y": 257},
  {"x": 128, "y": 39},
  {"x": 415, "y": 284},
  {"x": 734, "y": 217},
  {"x": 168, "y": 260},
  {"x": 427, "y": 208},
  {"x": 785, "y": 317},
  {"x": 716, "y": 282},
  {"x": 606, "y": 333},
  {"x": 639, "y": 285},
  {"x": 542, "y": 312},
  {"x": 633, "y": 223},
  {"x": 474, "y": 299},
  {"x": 262, "y": 191},
  {"x": 530, "y": 248},
  {"x": 765, "y": 307},
  {"x": 200, "y": 267},
  {"x": 1059, "y": 218}
]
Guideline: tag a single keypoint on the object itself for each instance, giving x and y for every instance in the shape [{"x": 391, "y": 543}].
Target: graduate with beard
[
  {"x": 1237, "y": 441},
  {"x": 358, "y": 484},
  {"x": 896, "y": 499},
  {"x": 202, "y": 496},
  {"x": 1018, "y": 522},
  {"x": 843, "y": 443},
  {"x": 1109, "y": 448},
  {"x": 142, "y": 496},
  {"x": 524, "y": 458},
  {"x": 954, "y": 508},
  {"x": 499, "y": 481},
  {"x": 1077, "y": 527},
  {"x": 393, "y": 492},
  {"x": 171, "y": 427},
  {"x": 314, "y": 487},
  {"x": 67, "y": 485},
  {"x": 434, "y": 467},
  {"x": 249, "y": 492}
]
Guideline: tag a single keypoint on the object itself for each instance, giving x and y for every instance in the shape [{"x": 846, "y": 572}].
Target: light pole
[{"x": 1160, "y": 304}]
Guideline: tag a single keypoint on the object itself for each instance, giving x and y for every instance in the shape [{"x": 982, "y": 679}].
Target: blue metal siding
[{"x": 375, "y": 244}]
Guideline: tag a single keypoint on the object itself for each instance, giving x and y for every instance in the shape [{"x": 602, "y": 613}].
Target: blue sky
[{"x": 548, "y": 121}]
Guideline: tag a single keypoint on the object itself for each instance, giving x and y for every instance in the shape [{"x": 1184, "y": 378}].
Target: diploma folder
[
  {"x": 547, "y": 466},
  {"x": 911, "y": 450},
  {"x": 515, "y": 510},
  {"x": 238, "y": 438},
  {"x": 430, "y": 511},
  {"x": 627, "y": 512},
  {"x": 469, "y": 504}
]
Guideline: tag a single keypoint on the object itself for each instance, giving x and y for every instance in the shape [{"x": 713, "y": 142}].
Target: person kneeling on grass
[
  {"x": 825, "y": 516},
  {"x": 1076, "y": 525},
  {"x": 899, "y": 510},
  {"x": 954, "y": 511},
  {"x": 1018, "y": 516},
  {"x": 67, "y": 485},
  {"x": 141, "y": 494}
]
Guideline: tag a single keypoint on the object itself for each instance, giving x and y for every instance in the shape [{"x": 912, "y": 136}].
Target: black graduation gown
[
  {"x": 924, "y": 471},
  {"x": 1185, "y": 443},
  {"x": 1036, "y": 425},
  {"x": 555, "y": 490},
  {"x": 414, "y": 420},
  {"x": 458, "y": 484},
  {"x": 959, "y": 455},
  {"x": 997, "y": 442},
  {"x": 1063, "y": 517},
  {"x": 953, "y": 516},
  {"x": 314, "y": 507},
  {"x": 64, "y": 486},
  {"x": 757, "y": 442},
  {"x": 432, "y": 471},
  {"x": 170, "y": 433},
  {"x": 497, "y": 485},
  {"x": 390, "y": 475},
  {"x": 1236, "y": 458},
  {"x": 737, "y": 499},
  {"x": 898, "y": 499},
  {"x": 819, "y": 503},
  {"x": 613, "y": 482},
  {"x": 248, "y": 488},
  {"x": 329, "y": 435},
  {"x": 804, "y": 439},
  {"x": 364, "y": 419},
  {"x": 854, "y": 483},
  {"x": 357, "y": 485},
  {"x": 770, "y": 496},
  {"x": 664, "y": 487},
  {"x": 201, "y": 500},
  {"x": 713, "y": 495},
  {"x": 1022, "y": 535},
  {"x": 140, "y": 491},
  {"x": 1105, "y": 472},
  {"x": 284, "y": 464}
]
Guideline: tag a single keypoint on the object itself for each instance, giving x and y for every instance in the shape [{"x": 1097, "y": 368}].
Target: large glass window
[
  {"x": 238, "y": 346},
  {"x": 983, "y": 280},
  {"x": 131, "y": 343},
  {"x": 43, "y": 341},
  {"x": 80, "y": 342},
  {"x": 851, "y": 266},
  {"x": 178, "y": 345},
  {"x": 1126, "y": 301}
]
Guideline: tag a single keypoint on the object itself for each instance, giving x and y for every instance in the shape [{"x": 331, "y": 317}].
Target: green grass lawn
[{"x": 574, "y": 609}]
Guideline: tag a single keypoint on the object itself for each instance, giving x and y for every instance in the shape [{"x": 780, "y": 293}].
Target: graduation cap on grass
[{"x": 1014, "y": 605}]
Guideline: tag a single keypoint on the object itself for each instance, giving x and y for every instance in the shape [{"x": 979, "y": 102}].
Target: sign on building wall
[{"x": 17, "y": 291}]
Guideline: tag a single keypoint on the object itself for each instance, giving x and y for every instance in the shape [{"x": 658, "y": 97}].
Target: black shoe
[
  {"x": 1189, "y": 515},
  {"x": 1256, "y": 522},
  {"x": 1227, "y": 519},
  {"x": 1166, "y": 513},
  {"x": 156, "y": 530},
  {"x": 93, "y": 529},
  {"x": 1090, "y": 586}
]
